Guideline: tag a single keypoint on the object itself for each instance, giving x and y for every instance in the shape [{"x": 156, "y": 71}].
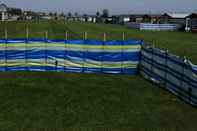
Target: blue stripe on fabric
[
  {"x": 10, "y": 41},
  {"x": 174, "y": 72},
  {"x": 33, "y": 54},
  {"x": 98, "y": 56},
  {"x": 171, "y": 72},
  {"x": 163, "y": 56},
  {"x": 93, "y": 42},
  {"x": 126, "y": 71},
  {"x": 133, "y": 42}
]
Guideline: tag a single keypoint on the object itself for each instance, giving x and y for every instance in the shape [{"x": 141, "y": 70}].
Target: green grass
[
  {"x": 32, "y": 101},
  {"x": 180, "y": 43}
]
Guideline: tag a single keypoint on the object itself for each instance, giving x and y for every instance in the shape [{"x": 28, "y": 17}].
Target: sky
[{"x": 114, "y": 6}]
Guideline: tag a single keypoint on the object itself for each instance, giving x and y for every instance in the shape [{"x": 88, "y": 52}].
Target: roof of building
[
  {"x": 3, "y": 8},
  {"x": 193, "y": 15},
  {"x": 178, "y": 15}
]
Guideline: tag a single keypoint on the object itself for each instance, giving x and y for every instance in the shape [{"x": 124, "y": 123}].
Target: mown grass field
[
  {"x": 180, "y": 43},
  {"x": 32, "y": 101}
]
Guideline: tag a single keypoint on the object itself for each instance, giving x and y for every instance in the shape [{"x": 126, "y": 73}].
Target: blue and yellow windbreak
[{"x": 120, "y": 57}]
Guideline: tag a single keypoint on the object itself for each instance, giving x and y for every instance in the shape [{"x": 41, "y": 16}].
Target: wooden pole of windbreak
[
  {"x": 27, "y": 33},
  {"x": 6, "y": 37},
  {"x": 166, "y": 67},
  {"x": 103, "y": 48},
  {"x": 85, "y": 35},
  {"x": 6, "y": 34},
  {"x": 65, "y": 51},
  {"x": 84, "y": 54},
  {"x": 46, "y": 34},
  {"x": 27, "y": 37},
  {"x": 123, "y": 36},
  {"x": 104, "y": 37},
  {"x": 46, "y": 37},
  {"x": 66, "y": 35}
]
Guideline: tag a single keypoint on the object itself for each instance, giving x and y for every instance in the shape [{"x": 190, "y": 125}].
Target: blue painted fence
[
  {"x": 178, "y": 75},
  {"x": 153, "y": 27},
  {"x": 116, "y": 57}
]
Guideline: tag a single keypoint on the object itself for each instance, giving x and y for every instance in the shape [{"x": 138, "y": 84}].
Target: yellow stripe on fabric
[{"x": 105, "y": 47}]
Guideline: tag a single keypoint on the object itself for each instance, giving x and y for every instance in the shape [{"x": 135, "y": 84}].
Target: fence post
[
  {"x": 65, "y": 50},
  {"x": 27, "y": 33},
  {"x": 45, "y": 46},
  {"x": 26, "y": 41},
  {"x": 104, "y": 37},
  {"x": 152, "y": 60},
  {"x": 122, "y": 56},
  {"x": 5, "y": 53},
  {"x": 102, "y": 57},
  {"x": 66, "y": 35},
  {"x": 6, "y": 34},
  {"x": 56, "y": 65},
  {"x": 123, "y": 36},
  {"x": 122, "y": 51},
  {"x": 85, "y": 35},
  {"x": 6, "y": 37},
  {"x": 183, "y": 76},
  {"x": 166, "y": 67},
  {"x": 46, "y": 35}
]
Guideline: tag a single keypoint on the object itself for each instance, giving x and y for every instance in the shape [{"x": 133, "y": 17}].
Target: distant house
[
  {"x": 137, "y": 18},
  {"x": 31, "y": 15},
  {"x": 174, "y": 18},
  {"x": 120, "y": 19},
  {"x": 106, "y": 20},
  {"x": 8, "y": 13},
  {"x": 3, "y": 12},
  {"x": 27, "y": 15},
  {"x": 14, "y": 13},
  {"x": 145, "y": 18},
  {"x": 91, "y": 18},
  {"x": 191, "y": 22}
]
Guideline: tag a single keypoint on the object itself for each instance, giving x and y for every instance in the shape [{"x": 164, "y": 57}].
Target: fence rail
[
  {"x": 153, "y": 27},
  {"x": 178, "y": 75}
]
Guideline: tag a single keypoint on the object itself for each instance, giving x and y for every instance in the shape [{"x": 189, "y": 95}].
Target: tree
[
  {"x": 50, "y": 14},
  {"x": 105, "y": 13},
  {"x": 86, "y": 17},
  {"x": 55, "y": 14},
  {"x": 69, "y": 14},
  {"x": 97, "y": 14},
  {"x": 76, "y": 14},
  {"x": 62, "y": 14}
]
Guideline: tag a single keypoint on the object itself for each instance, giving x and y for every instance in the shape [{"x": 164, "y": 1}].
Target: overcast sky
[{"x": 114, "y": 6}]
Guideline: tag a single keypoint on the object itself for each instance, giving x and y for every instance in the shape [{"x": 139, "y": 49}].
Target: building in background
[
  {"x": 9, "y": 13},
  {"x": 120, "y": 19},
  {"x": 191, "y": 23},
  {"x": 3, "y": 12},
  {"x": 174, "y": 18}
]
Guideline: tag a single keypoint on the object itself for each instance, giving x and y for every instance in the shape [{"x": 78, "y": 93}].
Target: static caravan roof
[
  {"x": 178, "y": 15},
  {"x": 3, "y": 8}
]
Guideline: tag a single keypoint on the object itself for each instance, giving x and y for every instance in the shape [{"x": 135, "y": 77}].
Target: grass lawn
[
  {"x": 180, "y": 43},
  {"x": 32, "y": 101}
]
